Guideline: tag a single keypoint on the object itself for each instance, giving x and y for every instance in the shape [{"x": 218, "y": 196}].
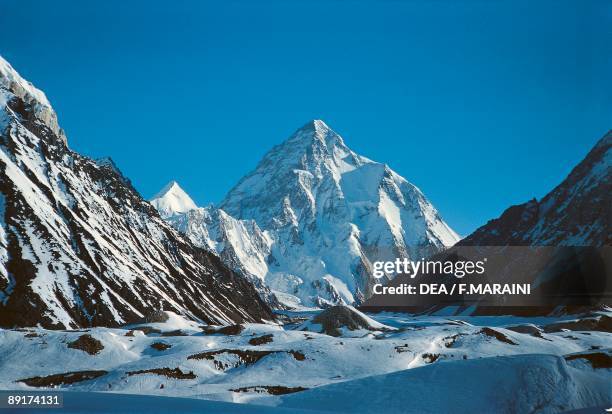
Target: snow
[
  {"x": 339, "y": 286},
  {"x": 4, "y": 273},
  {"x": 240, "y": 244},
  {"x": 520, "y": 384},
  {"x": 174, "y": 322},
  {"x": 12, "y": 85},
  {"x": 302, "y": 222}
]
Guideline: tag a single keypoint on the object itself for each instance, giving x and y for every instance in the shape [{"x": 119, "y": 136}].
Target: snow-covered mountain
[
  {"x": 80, "y": 247},
  {"x": 329, "y": 213},
  {"x": 172, "y": 200},
  {"x": 578, "y": 212}
]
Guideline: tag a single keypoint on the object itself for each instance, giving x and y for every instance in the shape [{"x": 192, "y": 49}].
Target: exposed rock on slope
[{"x": 80, "y": 247}]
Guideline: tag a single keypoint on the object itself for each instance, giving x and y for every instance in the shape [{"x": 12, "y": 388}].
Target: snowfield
[
  {"x": 400, "y": 362},
  {"x": 522, "y": 384}
]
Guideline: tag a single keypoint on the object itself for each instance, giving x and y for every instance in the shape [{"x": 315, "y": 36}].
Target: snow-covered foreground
[{"x": 283, "y": 368}]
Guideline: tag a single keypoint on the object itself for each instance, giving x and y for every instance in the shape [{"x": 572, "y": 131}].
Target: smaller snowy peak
[{"x": 172, "y": 200}]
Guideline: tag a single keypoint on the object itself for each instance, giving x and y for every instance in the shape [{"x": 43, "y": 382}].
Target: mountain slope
[
  {"x": 80, "y": 247},
  {"x": 330, "y": 212},
  {"x": 560, "y": 245},
  {"x": 578, "y": 212}
]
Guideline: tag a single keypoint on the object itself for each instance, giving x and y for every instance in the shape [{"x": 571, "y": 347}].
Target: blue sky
[{"x": 482, "y": 104}]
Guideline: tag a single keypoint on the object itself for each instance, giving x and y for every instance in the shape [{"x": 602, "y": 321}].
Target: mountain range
[{"x": 311, "y": 218}]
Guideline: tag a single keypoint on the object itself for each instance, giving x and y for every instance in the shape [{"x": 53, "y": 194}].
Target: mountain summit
[{"x": 172, "y": 200}]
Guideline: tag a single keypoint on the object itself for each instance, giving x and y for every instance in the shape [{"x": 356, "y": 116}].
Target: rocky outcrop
[{"x": 334, "y": 320}]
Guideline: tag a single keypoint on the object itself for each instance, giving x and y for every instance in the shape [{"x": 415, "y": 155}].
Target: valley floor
[{"x": 405, "y": 364}]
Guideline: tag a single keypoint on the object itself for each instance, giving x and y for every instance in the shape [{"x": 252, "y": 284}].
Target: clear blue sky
[{"x": 482, "y": 104}]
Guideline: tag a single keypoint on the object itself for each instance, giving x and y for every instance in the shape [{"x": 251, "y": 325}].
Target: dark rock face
[
  {"x": 80, "y": 247},
  {"x": 62, "y": 379},
  {"x": 243, "y": 357},
  {"x": 175, "y": 373},
  {"x": 160, "y": 346},
  {"x": 225, "y": 330},
  {"x": 497, "y": 335},
  {"x": 576, "y": 216},
  {"x": 261, "y": 340},
  {"x": 578, "y": 212},
  {"x": 270, "y": 389},
  {"x": 87, "y": 343},
  {"x": 231, "y": 330}
]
